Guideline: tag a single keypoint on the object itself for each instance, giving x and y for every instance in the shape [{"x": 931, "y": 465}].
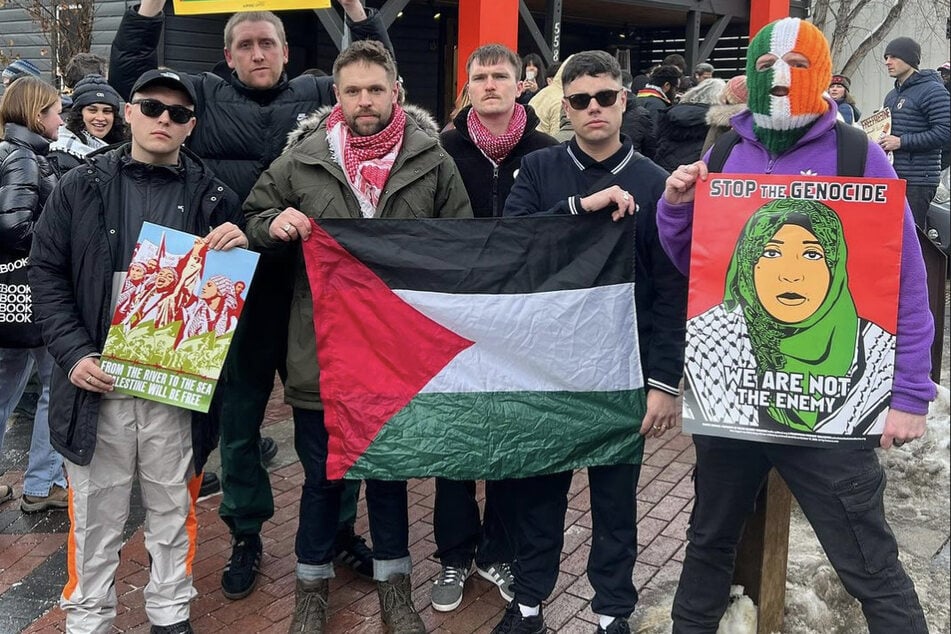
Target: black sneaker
[
  {"x": 268, "y": 448},
  {"x": 241, "y": 573},
  {"x": 618, "y": 626},
  {"x": 352, "y": 551},
  {"x": 182, "y": 627},
  {"x": 514, "y": 623},
  {"x": 210, "y": 484}
]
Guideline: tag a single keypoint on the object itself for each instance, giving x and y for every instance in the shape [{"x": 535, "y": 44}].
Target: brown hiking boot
[
  {"x": 310, "y": 607},
  {"x": 58, "y": 498},
  {"x": 396, "y": 606}
]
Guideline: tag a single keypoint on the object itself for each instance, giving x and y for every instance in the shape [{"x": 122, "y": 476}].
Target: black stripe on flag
[{"x": 492, "y": 255}]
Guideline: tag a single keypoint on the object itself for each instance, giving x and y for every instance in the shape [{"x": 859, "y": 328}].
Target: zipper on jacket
[{"x": 495, "y": 191}]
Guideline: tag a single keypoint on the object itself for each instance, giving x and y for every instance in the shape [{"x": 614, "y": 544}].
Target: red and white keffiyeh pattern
[
  {"x": 497, "y": 147},
  {"x": 367, "y": 160}
]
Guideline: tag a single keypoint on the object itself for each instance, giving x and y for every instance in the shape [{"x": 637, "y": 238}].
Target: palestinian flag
[{"x": 476, "y": 349}]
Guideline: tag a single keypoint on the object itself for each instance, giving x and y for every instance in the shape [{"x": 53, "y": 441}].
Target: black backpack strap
[
  {"x": 721, "y": 150},
  {"x": 852, "y": 148}
]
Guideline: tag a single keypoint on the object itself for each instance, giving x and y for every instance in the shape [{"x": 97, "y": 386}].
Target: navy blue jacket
[
  {"x": 551, "y": 181},
  {"x": 921, "y": 117}
]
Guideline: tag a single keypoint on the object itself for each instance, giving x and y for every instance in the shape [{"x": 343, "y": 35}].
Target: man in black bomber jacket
[
  {"x": 83, "y": 244},
  {"x": 599, "y": 171}
]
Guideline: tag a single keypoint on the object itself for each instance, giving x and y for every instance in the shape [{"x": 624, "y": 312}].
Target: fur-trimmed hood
[
  {"x": 720, "y": 114},
  {"x": 309, "y": 125}
]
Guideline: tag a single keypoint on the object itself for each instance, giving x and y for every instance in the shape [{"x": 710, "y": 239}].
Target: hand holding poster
[
  {"x": 176, "y": 310},
  {"x": 793, "y": 307}
]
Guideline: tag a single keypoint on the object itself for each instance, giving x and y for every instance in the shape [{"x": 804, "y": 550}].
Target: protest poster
[
  {"x": 792, "y": 309},
  {"x": 196, "y": 7},
  {"x": 176, "y": 309},
  {"x": 877, "y": 124}
]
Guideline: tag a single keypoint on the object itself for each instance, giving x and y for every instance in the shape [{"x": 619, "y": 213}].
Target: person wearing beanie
[
  {"x": 94, "y": 121},
  {"x": 791, "y": 129},
  {"x": 732, "y": 101},
  {"x": 839, "y": 91},
  {"x": 20, "y": 68},
  {"x": 921, "y": 124}
]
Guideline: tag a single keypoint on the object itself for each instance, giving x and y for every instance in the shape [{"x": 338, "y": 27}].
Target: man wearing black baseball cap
[
  {"x": 244, "y": 120},
  {"x": 921, "y": 123},
  {"x": 83, "y": 244}
]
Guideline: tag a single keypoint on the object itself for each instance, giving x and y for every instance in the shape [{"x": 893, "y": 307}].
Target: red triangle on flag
[{"x": 375, "y": 351}]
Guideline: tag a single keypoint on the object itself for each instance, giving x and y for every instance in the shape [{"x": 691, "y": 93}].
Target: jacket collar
[{"x": 20, "y": 135}]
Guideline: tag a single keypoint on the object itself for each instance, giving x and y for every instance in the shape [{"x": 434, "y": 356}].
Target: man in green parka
[{"x": 364, "y": 159}]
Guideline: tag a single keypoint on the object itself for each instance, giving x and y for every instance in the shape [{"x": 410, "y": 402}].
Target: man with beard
[
  {"x": 790, "y": 128},
  {"x": 369, "y": 160}
]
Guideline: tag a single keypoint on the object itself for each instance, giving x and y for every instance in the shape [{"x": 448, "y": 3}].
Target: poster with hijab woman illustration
[{"x": 793, "y": 308}]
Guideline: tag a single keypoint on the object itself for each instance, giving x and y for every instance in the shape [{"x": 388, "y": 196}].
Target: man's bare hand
[
  {"x": 900, "y": 427},
  {"x": 89, "y": 376},
  {"x": 890, "y": 142},
  {"x": 681, "y": 185},
  {"x": 663, "y": 413},
  {"x": 354, "y": 10},
  {"x": 626, "y": 205},
  {"x": 151, "y": 8},
  {"x": 290, "y": 225},
  {"x": 226, "y": 236}
]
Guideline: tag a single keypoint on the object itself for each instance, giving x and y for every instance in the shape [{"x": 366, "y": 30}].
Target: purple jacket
[{"x": 815, "y": 154}]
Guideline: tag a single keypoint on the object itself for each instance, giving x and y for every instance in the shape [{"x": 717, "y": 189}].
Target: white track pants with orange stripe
[{"x": 153, "y": 441}]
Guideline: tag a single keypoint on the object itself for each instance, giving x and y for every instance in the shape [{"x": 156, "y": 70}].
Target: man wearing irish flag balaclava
[{"x": 790, "y": 129}]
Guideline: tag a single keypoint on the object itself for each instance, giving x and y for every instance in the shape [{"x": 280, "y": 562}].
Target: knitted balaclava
[{"x": 780, "y": 121}]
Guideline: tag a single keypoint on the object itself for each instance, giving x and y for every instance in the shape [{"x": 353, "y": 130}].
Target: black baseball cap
[{"x": 164, "y": 77}]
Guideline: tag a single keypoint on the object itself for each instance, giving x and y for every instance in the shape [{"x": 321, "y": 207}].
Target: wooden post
[{"x": 762, "y": 553}]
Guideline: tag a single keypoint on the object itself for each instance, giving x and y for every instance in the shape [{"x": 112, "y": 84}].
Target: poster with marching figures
[
  {"x": 176, "y": 310},
  {"x": 793, "y": 308}
]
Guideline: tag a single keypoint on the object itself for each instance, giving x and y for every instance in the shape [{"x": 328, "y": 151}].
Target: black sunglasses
[
  {"x": 605, "y": 98},
  {"x": 153, "y": 108}
]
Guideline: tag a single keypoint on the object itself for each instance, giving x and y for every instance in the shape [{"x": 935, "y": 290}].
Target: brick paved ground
[{"x": 32, "y": 558}]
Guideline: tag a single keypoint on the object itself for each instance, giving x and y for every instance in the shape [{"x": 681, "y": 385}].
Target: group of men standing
[{"x": 363, "y": 155}]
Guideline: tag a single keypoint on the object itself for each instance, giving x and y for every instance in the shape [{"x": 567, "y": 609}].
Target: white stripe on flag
[{"x": 574, "y": 341}]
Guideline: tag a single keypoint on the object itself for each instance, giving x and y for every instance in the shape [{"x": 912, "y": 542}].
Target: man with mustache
[
  {"x": 488, "y": 143},
  {"x": 365, "y": 158}
]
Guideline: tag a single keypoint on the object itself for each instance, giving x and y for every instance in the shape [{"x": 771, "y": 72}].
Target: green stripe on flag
[{"x": 530, "y": 433}]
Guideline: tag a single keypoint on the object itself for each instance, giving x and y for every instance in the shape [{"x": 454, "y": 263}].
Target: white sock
[
  {"x": 528, "y": 611},
  {"x": 605, "y": 621}
]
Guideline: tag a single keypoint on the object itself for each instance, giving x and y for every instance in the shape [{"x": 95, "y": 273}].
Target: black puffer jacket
[
  {"x": 75, "y": 251},
  {"x": 26, "y": 180},
  {"x": 638, "y": 125},
  {"x": 921, "y": 118},
  {"x": 240, "y": 130},
  {"x": 488, "y": 187},
  {"x": 681, "y": 131}
]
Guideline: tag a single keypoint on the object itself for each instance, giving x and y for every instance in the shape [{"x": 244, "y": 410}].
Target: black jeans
[
  {"x": 840, "y": 492},
  {"x": 543, "y": 501},
  {"x": 460, "y": 535},
  {"x": 919, "y": 199},
  {"x": 320, "y": 501}
]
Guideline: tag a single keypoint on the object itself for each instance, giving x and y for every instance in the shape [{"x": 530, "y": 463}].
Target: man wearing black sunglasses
[
  {"x": 83, "y": 244},
  {"x": 243, "y": 123},
  {"x": 599, "y": 171}
]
